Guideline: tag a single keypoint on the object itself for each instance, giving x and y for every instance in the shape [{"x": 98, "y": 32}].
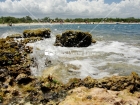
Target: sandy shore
[{"x": 27, "y": 24}]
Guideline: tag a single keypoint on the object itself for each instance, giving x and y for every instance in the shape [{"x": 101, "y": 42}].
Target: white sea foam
[
  {"x": 116, "y": 51},
  {"x": 4, "y": 35},
  {"x": 105, "y": 58},
  {"x": 87, "y": 69}
]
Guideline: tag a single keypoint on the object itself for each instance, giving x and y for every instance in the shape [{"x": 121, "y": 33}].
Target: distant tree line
[
  {"x": 10, "y": 19},
  {"x": 28, "y": 19}
]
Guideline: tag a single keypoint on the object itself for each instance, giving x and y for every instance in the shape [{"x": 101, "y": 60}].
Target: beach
[{"x": 40, "y": 23}]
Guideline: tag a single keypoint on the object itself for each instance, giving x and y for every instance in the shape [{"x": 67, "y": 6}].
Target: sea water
[{"x": 117, "y": 51}]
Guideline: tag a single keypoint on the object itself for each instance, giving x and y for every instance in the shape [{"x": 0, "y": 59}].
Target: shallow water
[{"x": 117, "y": 51}]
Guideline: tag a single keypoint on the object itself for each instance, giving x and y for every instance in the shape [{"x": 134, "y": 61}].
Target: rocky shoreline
[{"x": 19, "y": 87}]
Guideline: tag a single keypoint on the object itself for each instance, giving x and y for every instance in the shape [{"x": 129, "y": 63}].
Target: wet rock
[
  {"x": 74, "y": 39},
  {"x": 45, "y": 33}
]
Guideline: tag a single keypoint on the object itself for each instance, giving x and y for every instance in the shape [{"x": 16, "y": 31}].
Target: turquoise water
[{"x": 117, "y": 51}]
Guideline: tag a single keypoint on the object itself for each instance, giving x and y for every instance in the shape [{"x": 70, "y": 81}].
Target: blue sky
[{"x": 70, "y": 8}]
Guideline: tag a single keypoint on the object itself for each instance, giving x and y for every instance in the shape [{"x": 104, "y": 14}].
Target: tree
[
  {"x": 46, "y": 19},
  {"x": 28, "y": 19}
]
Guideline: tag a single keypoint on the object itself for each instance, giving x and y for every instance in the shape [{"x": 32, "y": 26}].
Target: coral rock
[
  {"x": 97, "y": 96},
  {"x": 74, "y": 39},
  {"x": 37, "y": 33}
]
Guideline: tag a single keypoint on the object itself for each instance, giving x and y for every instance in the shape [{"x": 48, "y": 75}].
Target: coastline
[{"x": 26, "y": 24}]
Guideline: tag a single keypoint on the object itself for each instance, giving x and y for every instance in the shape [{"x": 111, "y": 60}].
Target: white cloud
[{"x": 64, "y": 9}]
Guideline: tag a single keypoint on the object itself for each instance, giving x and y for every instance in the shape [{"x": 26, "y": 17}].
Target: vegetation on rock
[{"x": 45, "y": 33}]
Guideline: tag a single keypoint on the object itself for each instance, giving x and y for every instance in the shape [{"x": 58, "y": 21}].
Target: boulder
[
  {"x": 45, "y": 33},
  {"x": 74, "y": 39}
]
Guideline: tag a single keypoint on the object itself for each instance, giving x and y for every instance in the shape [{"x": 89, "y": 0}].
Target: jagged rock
[
  {"x": 45, "y": 33},
  {"x": 74, "y": 39}
]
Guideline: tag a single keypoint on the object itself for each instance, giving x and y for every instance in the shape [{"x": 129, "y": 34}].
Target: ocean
[{"x": 117, "y": 51}]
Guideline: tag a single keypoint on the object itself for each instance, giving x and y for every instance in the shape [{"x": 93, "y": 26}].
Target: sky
[
  {"x": 70, "y": 8},
  {"x": 106, "y": 1}
]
